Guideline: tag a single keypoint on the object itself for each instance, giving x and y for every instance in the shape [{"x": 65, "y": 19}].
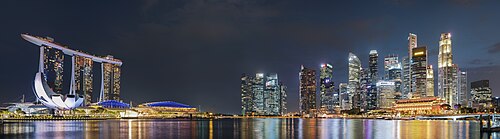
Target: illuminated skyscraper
[
  {"x": 283, "y": 99},
  {"x": 272, "y": 95},
  {"x": 406, "y": 85},
  {"x": 307, "y": 93},
  {"x": 258, "y": 86},
  {"x": 246, "y": 95},
  {"x": 327, "y": 97},
  {"x": 344, "y": 97},
  {"x": 481, "y": 94},
  {"x": 446, "y": 82},
  {"x": 463, "y": 93},
  {"x": 419, "y": 72},
  {"x": 393, "y": 73},
  {"x": 412, "y": 43},
  {"x": 83, "y": 78},
  {"x": 111, "y": 81},
  {"x": 430, "y": 81},
  {"x": 387, "y": 93},
  {"x": 364, "y": 100},
  {"x": 353, "y": 87},
  {"x": 371, "y": 86},
  {"x": 390, "y": 62},
  {"x": 53, "y": 68}
]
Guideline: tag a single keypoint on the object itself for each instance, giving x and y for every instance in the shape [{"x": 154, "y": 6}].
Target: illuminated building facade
[
  {"x": 307, "y": 90},
  {"x": 390, "y": 62},
  {"x": 406, "y": 85},
  {"x": 53, "y": 68},
  {"x": 110, "y": 89},
  {"x": 393, "y": 72},
  {"x": 419, "y": 72},
  {"x": 344, "y": 97},
  {"x": 481, "y": 94},
  {"x": 83, "y": 78},
  {"x": 372, "y": 79},
  {"x": 353, "y": 87},
  {"x": 362, "y": 100},
  {"x": 328, "y": 98},
  {"x": 283, "y": 98},
  {"x": 387, "y": 92},
  {"x": 430, "y": 82},
  {"x": 246, "y": 95},
  {"x": 463, "y": 93},
  {"x": 427, "y": 105},
  {"x": 258, "y": 86},
  {"x": 272, "y": 95},
  {"x": 446, "y": 82},
  {"x": 407, "y": 65}
]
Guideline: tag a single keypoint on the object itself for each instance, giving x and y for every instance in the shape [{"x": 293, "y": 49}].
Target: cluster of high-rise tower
[
  {"x": 410, "y": 78},
  {"x": 262, "y": 94}
]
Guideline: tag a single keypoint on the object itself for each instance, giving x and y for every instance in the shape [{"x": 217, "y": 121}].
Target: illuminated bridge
[{"x": 49, "y": 78}]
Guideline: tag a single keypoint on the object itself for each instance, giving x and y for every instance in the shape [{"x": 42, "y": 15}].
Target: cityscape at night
[{"x": 250, "y": 69}]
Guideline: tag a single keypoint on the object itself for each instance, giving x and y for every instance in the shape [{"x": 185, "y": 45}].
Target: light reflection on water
[{"x": 244, "y": 128}]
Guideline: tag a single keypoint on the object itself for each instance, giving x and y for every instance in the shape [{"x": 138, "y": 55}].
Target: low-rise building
[{"x": 427, "y": 105}]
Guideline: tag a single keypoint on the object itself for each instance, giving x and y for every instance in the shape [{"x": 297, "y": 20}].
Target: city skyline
[{"x": 170, "y": 52}]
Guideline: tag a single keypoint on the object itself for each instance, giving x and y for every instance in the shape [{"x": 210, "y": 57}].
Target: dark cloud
[
  {"x": 494, "y": 48},
  {"x": 481, "y": 62}
]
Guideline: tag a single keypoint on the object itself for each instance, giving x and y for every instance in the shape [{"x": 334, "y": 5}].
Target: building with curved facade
[
  {"x": 113, "y": 104},
  {"x": 353, "y": 86},
  {"x": 168, "y": 106}
]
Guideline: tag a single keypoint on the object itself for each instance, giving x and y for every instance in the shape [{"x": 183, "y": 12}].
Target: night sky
[{"x": 194, "y": 52}]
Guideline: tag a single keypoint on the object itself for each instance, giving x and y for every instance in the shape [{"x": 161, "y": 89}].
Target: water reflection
[{"x": 244, "y": 128}]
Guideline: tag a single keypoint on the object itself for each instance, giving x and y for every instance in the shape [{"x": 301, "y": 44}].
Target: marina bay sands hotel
[{"x": 50, "y": 70}]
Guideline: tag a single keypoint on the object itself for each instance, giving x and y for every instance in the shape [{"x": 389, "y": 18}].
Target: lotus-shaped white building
[{"x": 53, "y": 100}]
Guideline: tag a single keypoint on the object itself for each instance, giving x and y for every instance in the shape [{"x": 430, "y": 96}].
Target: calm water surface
[{"x": 245, "y": 128}]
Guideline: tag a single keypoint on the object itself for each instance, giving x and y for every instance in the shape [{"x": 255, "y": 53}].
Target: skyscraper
[
  {"x": 83, "y": 78},
  {"x": 419, "y": 72},
  {"x": 393, "y": 73},
  {"x": 430, "y": 81},
  {"x": 111, "y": 81},
  {"x": 481, "y": 94},
  {"x": 53, "y": 68},
  {"x": 283, "y": 99},
  {"x": 462, "y": 89},
  {"x": 387, "y": 92},
  {"x": 353, "y": 87},
  {"x": 373, "y": 66},
  {"x": 390, "y": 62},
  {"x": 406, "y": 85},
  {"x": 246, "y": 95},
  {"x": 407, "y": 63},
  {"x": 272, "y": 95},
  {"x": 258, "y": 86},
  {"x": 344, "y": 97},
  {"x": 445, "y": 69},
  {"x": 364, "y": 100},
  {"x": 327, "y": 103},
  {"x": 307, "y": 93},
  {"x": 371, "y": 86},
  {"x": 412, "y": 43}
]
